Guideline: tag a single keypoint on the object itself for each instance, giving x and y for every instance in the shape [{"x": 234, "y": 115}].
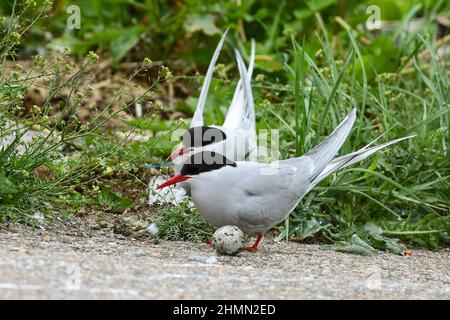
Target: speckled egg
[{"x": 228, "y": 240}]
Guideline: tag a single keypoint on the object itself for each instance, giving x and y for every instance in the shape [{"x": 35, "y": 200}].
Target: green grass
[
  {"x": 403, "y": 190},
  {"x": 66, "y": 164},
  {"x": 182, "y": 223}
]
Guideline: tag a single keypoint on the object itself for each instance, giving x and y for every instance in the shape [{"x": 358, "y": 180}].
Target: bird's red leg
[{"x": 254, "y": 247}]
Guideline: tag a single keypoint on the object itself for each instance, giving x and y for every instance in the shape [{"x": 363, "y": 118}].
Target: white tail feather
[
  {"x": 352, "y": 158},
  {"x": 323, "y": 153},
  {"x": 248, "y": 121},
  {"x": 197, "y": 119},
  {"x": 242, "y": 114}
]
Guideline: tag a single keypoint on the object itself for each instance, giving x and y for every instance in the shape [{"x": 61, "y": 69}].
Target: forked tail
[{"x": 352, "y": 158}]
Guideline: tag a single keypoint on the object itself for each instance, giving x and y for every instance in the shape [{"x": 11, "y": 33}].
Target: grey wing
[{"x": 268, "y": 198}]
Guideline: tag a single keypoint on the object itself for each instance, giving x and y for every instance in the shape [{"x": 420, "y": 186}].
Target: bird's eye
[{"x": 213, "y": 139}]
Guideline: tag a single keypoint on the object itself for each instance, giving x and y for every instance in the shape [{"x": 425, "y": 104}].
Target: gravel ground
[{"x": 54, "y": 264}]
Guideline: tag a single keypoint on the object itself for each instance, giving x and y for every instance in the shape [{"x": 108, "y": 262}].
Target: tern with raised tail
[
  {"x": 257, "y": 196},
  {"x": 235, "y": 138}
]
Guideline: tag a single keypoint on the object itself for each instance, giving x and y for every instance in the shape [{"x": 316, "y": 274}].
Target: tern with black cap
[{"x": 236, "y": 138}]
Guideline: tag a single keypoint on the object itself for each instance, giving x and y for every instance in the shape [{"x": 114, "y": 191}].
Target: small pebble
[
  {"x": 205, "y": 259},
  {"x": 152, "y": 229}
]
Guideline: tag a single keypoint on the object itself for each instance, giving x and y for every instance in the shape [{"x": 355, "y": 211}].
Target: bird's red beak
[
  {"x": 175, "y": 179},
  {"x": 178, "y": 152}
]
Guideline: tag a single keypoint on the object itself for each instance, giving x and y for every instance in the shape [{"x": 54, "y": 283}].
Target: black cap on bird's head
[
  {"x": 197, "y": 137},
  {"x": 205, "y": 161},
  {"x": 202, "y": 136},
  {"x": 197, "y": 163}
]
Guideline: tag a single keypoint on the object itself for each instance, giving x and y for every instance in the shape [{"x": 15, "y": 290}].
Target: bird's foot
[
  {"x": 254, "y": 247},
  {"x": 208, "y": 242}
]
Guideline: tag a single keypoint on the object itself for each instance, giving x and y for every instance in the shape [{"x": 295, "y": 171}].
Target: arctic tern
[{"x": 236, "y": 138}]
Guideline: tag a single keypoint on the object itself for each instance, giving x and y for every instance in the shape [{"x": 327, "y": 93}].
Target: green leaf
[
  {"x": 153, "y": 124},
  {"x": 302, "y": 14},
  {"x": 381, "y": 242},
  {"x": 308, "y": 229},
  {"x": 69, "y": 41},
  {"x": 6, "y": 186},
  {"x": 373, "y": 228},
  {"x": 113, "y": 201},
  {"x": 318, "y": 5},
  {"x": 205, "y": 23},
  {"x": 356, "y": 245},
  {"x": 385, "y": 243},
  {"x": 127, "y": 39}
]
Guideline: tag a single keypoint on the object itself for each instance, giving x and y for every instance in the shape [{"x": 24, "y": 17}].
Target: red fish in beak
[
  {"x": 178, "y": 152},
  {"x": 175, "y": 179}
]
